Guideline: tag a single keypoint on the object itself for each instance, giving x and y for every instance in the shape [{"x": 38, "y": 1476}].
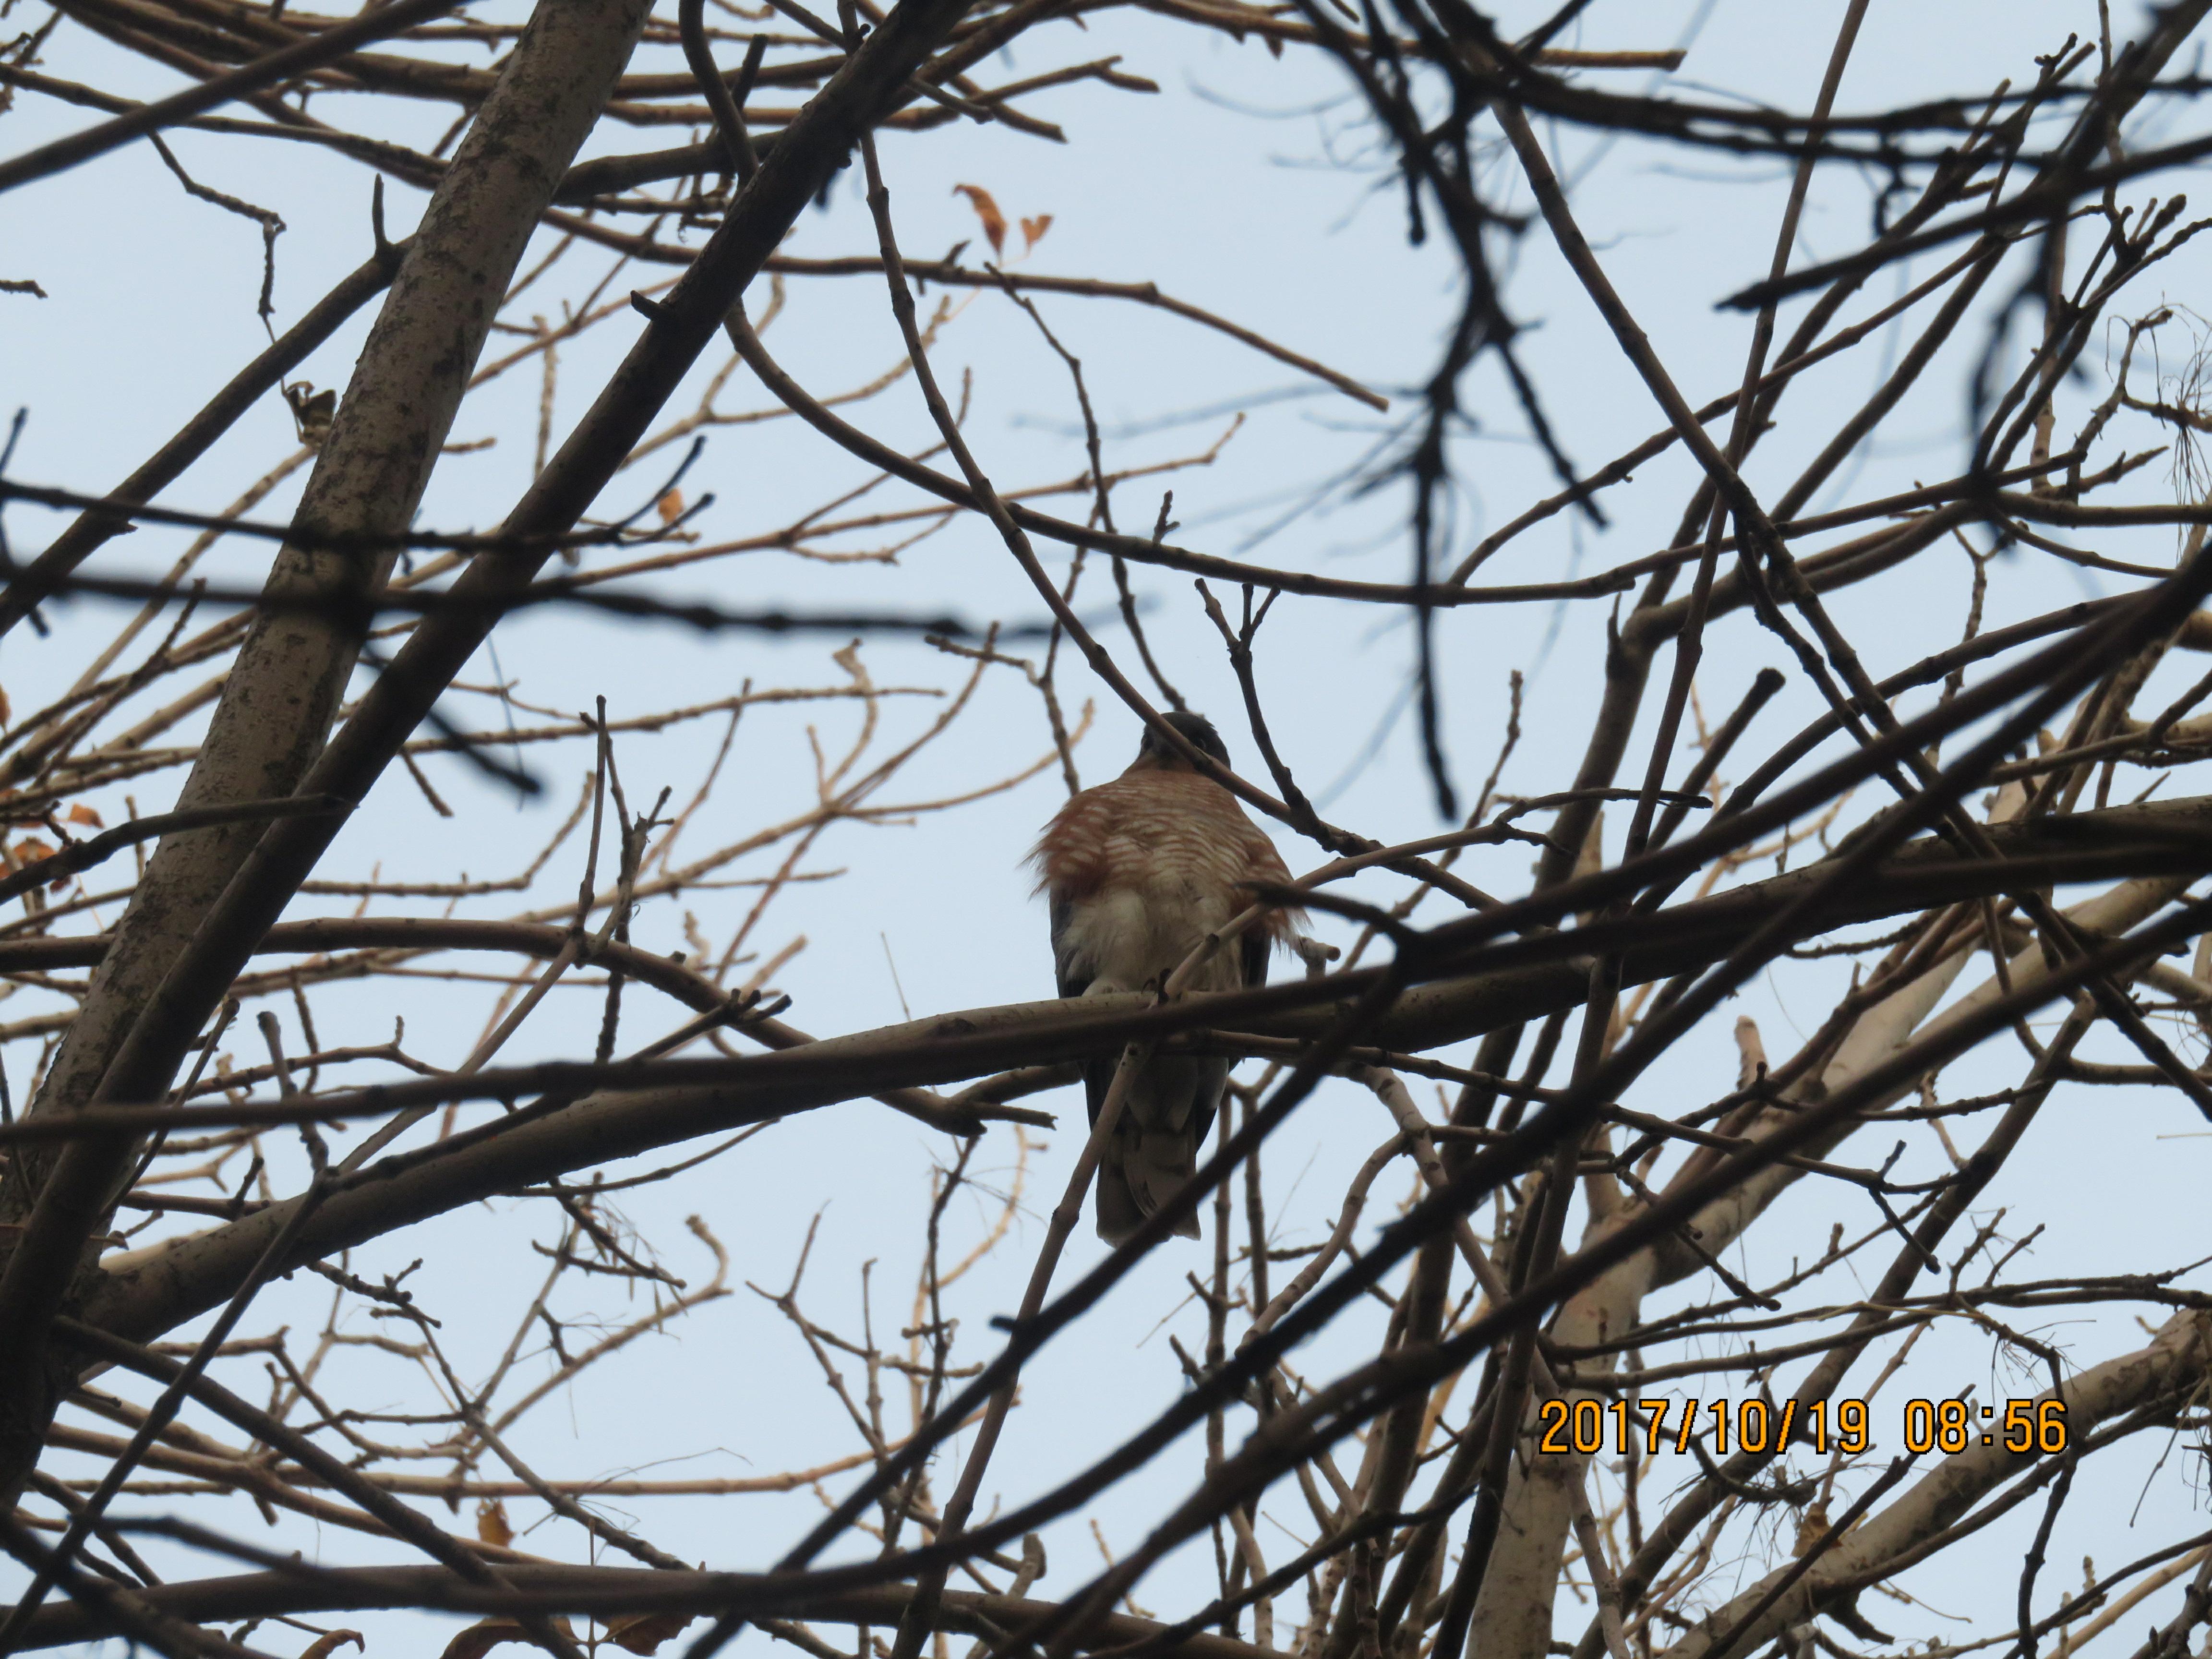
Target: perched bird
[{"x": 1139, "y": 871}]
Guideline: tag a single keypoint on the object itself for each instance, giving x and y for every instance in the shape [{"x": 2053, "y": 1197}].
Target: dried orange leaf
[
  {"x": 671, "y": 506},
  {"x": 30, "y": 852},
  {"x": 995, "y": 223},
  {"x": 82, "y": 814},
  {"x": 479, "y": 1639},
  {"x": 1033, "y": 230},
  {"x": 483, "y": 1637},
  {"x": 644, "y": 1633},
  {"x": 330, "y": 1641},
  {"x": 491, "y": 1523},
  {"x": 1812, "y": 1526}
]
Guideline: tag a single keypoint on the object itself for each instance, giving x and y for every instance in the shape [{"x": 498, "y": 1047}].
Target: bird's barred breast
[{"x": 1151, "y": 831}]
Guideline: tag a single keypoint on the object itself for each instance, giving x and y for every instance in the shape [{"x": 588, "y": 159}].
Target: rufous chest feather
[{"x": 1171, "y": 839}]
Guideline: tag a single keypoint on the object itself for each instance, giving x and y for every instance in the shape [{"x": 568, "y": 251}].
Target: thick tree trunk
[{"x": 281, "y": 696}]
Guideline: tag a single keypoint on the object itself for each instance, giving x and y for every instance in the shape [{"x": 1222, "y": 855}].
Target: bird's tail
[
  {"x": 1136, "y": 1176},
  {"x": 1154, "y": 1148}
]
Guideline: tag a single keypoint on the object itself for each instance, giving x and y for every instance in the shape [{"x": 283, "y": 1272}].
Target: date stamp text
[{"x": 1587, "y": 1427}]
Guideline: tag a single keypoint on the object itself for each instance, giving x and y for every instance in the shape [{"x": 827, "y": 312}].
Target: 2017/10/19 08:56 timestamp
[{"x": 1586, "y": 1427}]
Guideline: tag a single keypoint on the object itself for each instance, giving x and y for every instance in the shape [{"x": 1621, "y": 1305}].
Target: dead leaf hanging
[
  {"x": 483, "y": 1635},
  {"x": 644, "y": 1633},
  {"x": 987, "y": 211},
  {"x": 492, "y": 1524},
  {"x": 313, "y": 411}
]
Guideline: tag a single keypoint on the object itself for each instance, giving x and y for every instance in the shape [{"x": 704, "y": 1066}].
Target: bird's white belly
[{"x": 1136, "y": 935}]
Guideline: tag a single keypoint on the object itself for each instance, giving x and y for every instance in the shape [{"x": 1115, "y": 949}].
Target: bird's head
[{"x": 1154, "y": 754}]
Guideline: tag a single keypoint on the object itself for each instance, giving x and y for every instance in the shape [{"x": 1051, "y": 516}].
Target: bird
[{"x": 1138, "y": 872}]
